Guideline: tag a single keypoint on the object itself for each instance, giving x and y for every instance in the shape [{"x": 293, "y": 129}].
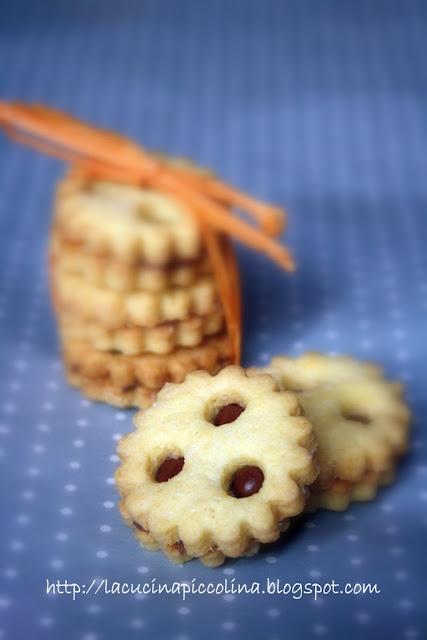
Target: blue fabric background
[{"x": 318, "y": 105}]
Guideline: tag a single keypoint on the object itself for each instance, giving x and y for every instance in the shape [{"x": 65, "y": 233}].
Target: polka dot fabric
[{"x": 314, "y": 105}]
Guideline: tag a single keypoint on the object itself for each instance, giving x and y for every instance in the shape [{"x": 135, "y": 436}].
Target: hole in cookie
[
  {"x": 139, "y": 527},
  {"x": 356, "y": 417},
  {"x": 228, "y": 413},
  {"x": 246, "y": 481},
  {"x": 169, "y": 468},
  {"x": 178, "y": 547}
]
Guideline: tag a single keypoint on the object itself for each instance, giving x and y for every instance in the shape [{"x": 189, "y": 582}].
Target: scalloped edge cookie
[
  {"x": 360, "y": 420},
  {"x": 151, "y": 371},
  {"x": 133, "y": 341},
  {"x": 124, "y": 221},
  {"x": 193, "y": 514}
]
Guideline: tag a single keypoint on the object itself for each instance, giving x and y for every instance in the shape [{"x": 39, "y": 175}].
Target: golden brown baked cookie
[
  {"x": 114, "y": 310},
  {"x": 123, "y": 277},
  {"x": 104, "y": 390},
  {"x": 151, "y": 371},
  {"x": 125, "y": 222},
  {"x": 133, "y": 341},
  {"x": 360, "y": 420},
  {"x": 217, "y": 466}
]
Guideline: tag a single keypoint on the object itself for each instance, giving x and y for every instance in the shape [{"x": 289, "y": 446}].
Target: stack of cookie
[{"x": 133, "y": 290}]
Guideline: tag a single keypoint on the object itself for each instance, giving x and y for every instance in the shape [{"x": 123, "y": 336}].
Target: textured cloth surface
[{"x": 315, "y": 105}]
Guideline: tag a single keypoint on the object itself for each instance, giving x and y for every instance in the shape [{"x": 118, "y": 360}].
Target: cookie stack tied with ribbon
[
  {"x": 143, "y": 274},
  {"x": 134, "y": 292}
]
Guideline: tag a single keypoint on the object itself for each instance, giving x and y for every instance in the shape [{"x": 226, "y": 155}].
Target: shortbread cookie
[
  {"x": 218, "y": 465},
  {"x": 134, "y": 341},
  {"x": 149, "y": 370},
  {"x": 360, "y": 420},
  {"x": 121, "y": 276},
  {"x": 103, "y": 390},
  {"x": 341, "y": 493},
  {"x": 124, "y": 221},
  {"x": 113, "y": 310}
]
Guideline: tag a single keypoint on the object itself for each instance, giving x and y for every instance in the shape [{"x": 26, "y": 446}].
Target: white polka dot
[
  {"x": 79, "y": 443},
  {"x": 363, "y": 617},
  {"x": 105, "y": 528},
  {"x": 94, "y": 609},
  {"x": 70, "y": 488},
  {"x": 315, "y": 573},
  {"x": 391, "y": 530},
  {"x": 120, "y": 415},
  {"x": 356, "y": 562},
  {"x": 23, "y": 518},
  {"x": 82, "y": 422},
  {"x": 353, "y": 537},
  {"x": 11, "y": 573},
  {"x": 143, "y": 569},
  {"x": 39, "y": 448},
  {"x": 320, "y": 629},
  {"x": 228, "y": 626},
  {"x": 273, "y": 613},
  {"x": 406, "y": 604},
  {"x": 28, "y": 495},
  {"x": 56, "y": 563},
  {"x": 74, "y": 464},
  {"x": 401, "y": 575},
  {"x": 61, "y": 536},
  {"x": 137, "y": 623},
  {"x": 109, "y": 481},
  {"x": 312, "y": 548},
  {"x": 66, "y": 511},
  {"x": 108, "y": 504},
  {"x": 271, "y": 559},
  {"x": 228, "y": 571},
  {"x": 184, "y": 611},
  {"x": 411, "y": 634},
  {"x": 397, "y": 551},
  {"x": 5, "y": 602},
  {"x": 101, "y": 554},
  {"x": 17, "y": 545},
  {"x": 46, "y": 621},
  {"x": 349, "y": 517}
]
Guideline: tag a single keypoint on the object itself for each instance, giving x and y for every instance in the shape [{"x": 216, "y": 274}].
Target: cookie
[
  {"x": 151, "y": 371},
  {"x": 341, "y": 493},
  {"x": 360, "y": 420},
  {"x": 206, "y": 475},
  {"x": 103, "y": 390},
  {"x": 112, "y": 310},
  {"x": 125, "y": 222},
  {"x": 133, "y": 341},
  {"x": 121, "y": 276}
]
